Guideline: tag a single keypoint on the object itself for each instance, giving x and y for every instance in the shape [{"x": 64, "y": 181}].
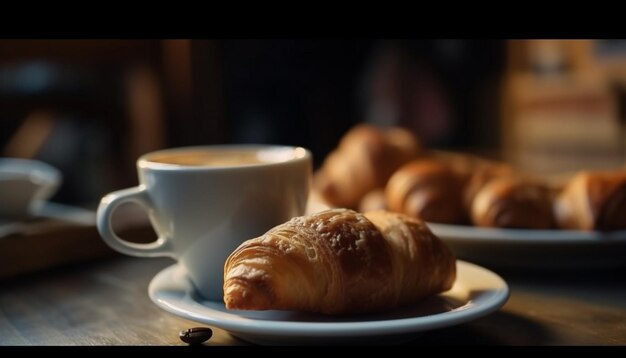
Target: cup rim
[
  {"x": 29, "y": 169},
  {"x": 144, "y": 161}
]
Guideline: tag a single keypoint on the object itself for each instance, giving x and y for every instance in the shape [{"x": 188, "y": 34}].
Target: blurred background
[{"x": 91, "y": 107}]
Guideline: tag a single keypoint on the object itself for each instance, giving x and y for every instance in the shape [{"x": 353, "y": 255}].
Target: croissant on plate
[
  {"x": 364, "y": 160},
  {"x": 473, "y": 173},
  {"x": 482, "y": 175},
  {"x": 513, "y": 202},
  {"x": 339, "y": 261},
  {"x": 593, "y": 201},
  {"x": 428, "y": 189}
]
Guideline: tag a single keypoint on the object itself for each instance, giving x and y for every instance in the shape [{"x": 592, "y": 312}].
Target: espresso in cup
[{"x": 203, "y": 202}]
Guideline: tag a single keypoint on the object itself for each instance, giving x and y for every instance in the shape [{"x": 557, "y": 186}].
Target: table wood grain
[{"x": 105, "y": 302}]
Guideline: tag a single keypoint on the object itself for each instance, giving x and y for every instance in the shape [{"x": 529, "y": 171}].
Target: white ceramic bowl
[{"x": 25, "y": 185}]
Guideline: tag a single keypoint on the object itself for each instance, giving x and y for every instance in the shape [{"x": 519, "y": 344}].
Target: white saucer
[{"x": 476, "y": 293}]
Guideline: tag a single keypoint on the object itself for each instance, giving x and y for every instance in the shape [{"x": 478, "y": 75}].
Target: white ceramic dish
[
  {"x": 534, "y": 249},
  {"x": 24, "y": 186},
  {"x": 476, "y": 293}
]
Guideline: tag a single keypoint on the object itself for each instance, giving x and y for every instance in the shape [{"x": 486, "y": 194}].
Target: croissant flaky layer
[
  {"x": 511, "y": 202},
  {"x": 593, "y": 200},
  {"x": 339, "y": 261},
  {"x": 427, "y": 189}
]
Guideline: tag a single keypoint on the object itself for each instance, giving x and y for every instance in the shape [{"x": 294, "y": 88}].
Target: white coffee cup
[{"x": 205, "y": 201}]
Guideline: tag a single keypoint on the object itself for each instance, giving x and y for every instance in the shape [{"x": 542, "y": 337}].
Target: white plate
[
  {"x": 476, "y": 293},
  {"x": 534, "y": 249}
]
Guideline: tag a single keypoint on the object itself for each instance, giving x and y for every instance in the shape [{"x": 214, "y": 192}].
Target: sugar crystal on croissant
[{"x": 339, "y": 261}]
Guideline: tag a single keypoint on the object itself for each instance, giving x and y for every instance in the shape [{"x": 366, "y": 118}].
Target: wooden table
[{"x": 105, "y": 302}]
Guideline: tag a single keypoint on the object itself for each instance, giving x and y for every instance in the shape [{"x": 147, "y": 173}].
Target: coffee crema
[{"x": 214, "y": 159}]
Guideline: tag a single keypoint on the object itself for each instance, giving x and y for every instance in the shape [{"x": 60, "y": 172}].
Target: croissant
[
  {"x": 473, "y": 172},
  {"x": 480, "y": 176},
  {"x": 364, "y": 160},
  {"x": 427, "y": 189},
  {"x": 593, "y": 201},
  {"x": 510, "y": 202},
  {"x": 339, "y": 261}
]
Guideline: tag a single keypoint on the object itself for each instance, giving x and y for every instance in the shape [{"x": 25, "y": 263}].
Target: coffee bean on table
[{"x": 195, "y": 335}]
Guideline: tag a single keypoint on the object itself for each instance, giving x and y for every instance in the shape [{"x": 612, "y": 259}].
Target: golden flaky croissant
[
  {"x": 339, "y": 261},
  {"x": 364, "y": 160},
  {"x": 513, "y": 202},
  {"x": 593, "y": 201},
  {"x": 473, "y": 172},
  {"x": 428, "y": 189},
  {"x": 480, "y": 177}
]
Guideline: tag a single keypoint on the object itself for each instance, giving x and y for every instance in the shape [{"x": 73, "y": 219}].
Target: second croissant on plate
[
  {"x": 593, "y": 200},
  {"x": 513, "y": 203},
  {"x": 339, "y": 261},
  {"x": 428, "y": 189}
]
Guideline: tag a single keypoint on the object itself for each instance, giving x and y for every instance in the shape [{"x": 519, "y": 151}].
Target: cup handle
[{"x": 108, "y": 204}]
